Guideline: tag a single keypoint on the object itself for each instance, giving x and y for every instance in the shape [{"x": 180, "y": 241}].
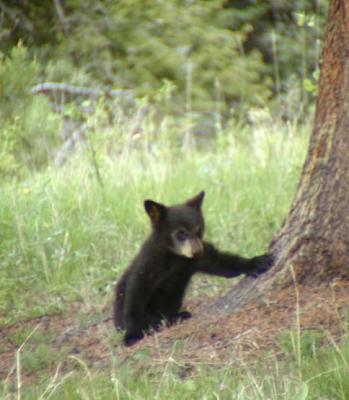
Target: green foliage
[
  {"x": 187, "y": 43},
  {"x": 199, "y": 63},
  {"x": 28, "y": 128},
  {"x": 219, "y": 52},
  {"x": 289, "y": 36}
]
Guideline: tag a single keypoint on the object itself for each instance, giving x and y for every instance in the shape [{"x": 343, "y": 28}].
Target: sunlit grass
[
  {"x": 63, "y": 229},
  {"x": 66, "y": 236}
]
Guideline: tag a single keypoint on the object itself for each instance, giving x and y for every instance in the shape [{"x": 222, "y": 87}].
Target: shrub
[{"x": 28, "y": 127}]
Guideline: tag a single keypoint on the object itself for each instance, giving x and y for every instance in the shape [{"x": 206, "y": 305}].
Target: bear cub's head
[{"x": 179, "y": 228}]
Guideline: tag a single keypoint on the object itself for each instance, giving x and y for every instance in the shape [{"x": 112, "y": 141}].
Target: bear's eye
[{"x": 182, "y": 235}]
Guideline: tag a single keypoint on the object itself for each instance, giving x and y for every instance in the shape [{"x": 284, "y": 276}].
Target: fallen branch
[{"x": 66, "y": 91}]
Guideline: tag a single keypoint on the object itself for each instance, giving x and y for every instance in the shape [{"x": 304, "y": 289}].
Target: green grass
[
  {"x": 324, "y": 376},
  {"x": 65, "y": 239},
  {"x": 63, "y": 236}
]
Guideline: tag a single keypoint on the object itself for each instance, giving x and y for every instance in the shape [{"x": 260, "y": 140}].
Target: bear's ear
[
  {"x": 196, "y": 201},
  {"x": 156, "y": 211}
]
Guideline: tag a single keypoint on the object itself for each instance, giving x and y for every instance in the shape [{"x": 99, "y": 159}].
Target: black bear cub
[{"x": 151, "y": 290}]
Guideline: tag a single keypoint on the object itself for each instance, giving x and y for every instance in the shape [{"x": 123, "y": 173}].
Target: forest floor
[{"x": 90, "y": 339}]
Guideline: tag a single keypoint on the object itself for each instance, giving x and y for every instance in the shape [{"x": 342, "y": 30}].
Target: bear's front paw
[{"x": 260, "y": 264}]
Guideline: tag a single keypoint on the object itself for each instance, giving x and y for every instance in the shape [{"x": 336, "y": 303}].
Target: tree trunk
[
  {"x": 315, "y": 236},
  {"x": 313, "y": 244}
]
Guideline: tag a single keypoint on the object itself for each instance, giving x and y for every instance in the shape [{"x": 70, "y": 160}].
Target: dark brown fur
[{"x": 151, "y": 290}]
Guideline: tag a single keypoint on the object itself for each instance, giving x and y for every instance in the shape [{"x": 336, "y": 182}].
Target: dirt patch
[
  {"x": 211, "y": 339},
  {"x": 256, "y": 328}
]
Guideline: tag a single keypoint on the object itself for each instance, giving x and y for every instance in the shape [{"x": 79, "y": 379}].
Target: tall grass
[
  {"x": 64, "y": 234},
  {"x": 325, "y": 376}
]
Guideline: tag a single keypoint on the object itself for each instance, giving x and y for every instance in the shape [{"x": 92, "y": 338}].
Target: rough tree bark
[
  {"x": 315, "y": 237},
  {"x": 313, "y": 244}
]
